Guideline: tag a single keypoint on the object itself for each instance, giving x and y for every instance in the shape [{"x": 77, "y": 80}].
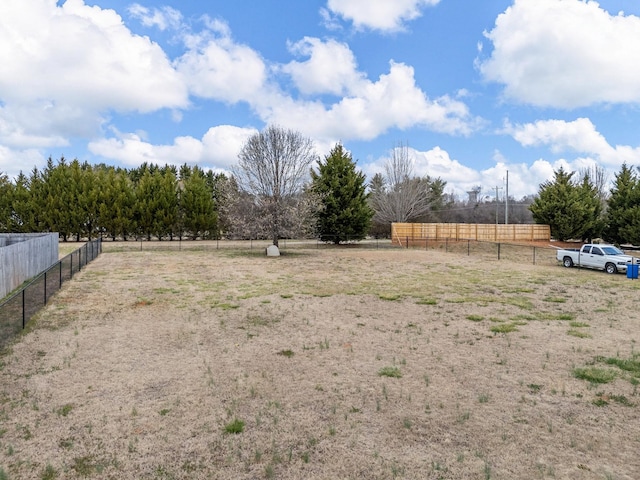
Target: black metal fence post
[
  {"x": 45, "y": 288},
  {"x": 498, "y": 251},
  {"x": 468, "y": 248},
  {"x": 23, "y": 311}
]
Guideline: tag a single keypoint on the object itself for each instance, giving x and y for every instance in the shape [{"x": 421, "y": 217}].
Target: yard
[{"x": 325, "y": 364}]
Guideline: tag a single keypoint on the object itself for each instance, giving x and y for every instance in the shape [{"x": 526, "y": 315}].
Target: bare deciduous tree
[
  {"x": 273, "y": 168},
  {"x": 402, "y": 197}
]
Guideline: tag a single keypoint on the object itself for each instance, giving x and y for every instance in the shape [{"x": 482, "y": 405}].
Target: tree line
[
  {"x": 278, "y": 189},
  {"x": 578, "y": 206},
  {"x": 79, "y": 200}
]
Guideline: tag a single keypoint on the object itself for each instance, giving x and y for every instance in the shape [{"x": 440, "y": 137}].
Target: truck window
[
  {"x": 586, "y": 249},
  {"x": 596, "y": 251}
]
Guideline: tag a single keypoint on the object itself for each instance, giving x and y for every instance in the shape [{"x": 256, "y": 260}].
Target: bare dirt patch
[{"x": 325, "y": 364}]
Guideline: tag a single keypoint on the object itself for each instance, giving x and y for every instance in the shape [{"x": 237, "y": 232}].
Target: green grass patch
[
  {"x": 225, "y": 306},
  {"x": 49, "y": 473},
  {"x": 534, "y": 387},
  {"x": 554, "y": 299},
  {"x": 427, "y": 301},
  {"x": 234, "y": 427},
  {"x": 630, "y": 365},
  {"x": 504, "y": 328},
  {"x": 458, "y": 300},
  {"x": 393, "y": 372},
  {"x": 603, "y": 400},
  {"x": 579, "y": 324},
  {"x": 84, "y": 466},
  {"x": 519, "y": 290},
  {"x": 286, "y": 353},
  {"x": 390, "y": 298},
  {"x": 475, "y": 318},
  {"x": 578, "y": 333},
  {"x": 65, "y": 410},
  {"x": 595, "y": 374}
]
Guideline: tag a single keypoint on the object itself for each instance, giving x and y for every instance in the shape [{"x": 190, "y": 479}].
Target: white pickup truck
[{"x": 602, "y": 257}]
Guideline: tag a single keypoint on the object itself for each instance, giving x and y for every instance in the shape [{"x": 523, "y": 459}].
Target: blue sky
[{"x": 475, "y": 88}]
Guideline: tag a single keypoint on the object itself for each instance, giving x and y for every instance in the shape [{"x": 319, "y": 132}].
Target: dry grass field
[{"x": 325, "y": 364}]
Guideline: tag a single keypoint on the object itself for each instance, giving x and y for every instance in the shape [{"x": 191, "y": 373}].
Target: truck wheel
[
  {"x": 610, "y": 268},
  {"x": 567, "y": 262}
]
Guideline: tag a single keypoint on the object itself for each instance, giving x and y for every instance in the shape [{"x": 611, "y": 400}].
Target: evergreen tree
[
  {"x": 146, "y": 207},
  {"x": 118, "y": 204},
  {"x": 593, "y": 206},
  {"x": 157, "y": 203},
  {"x": 167, "y": 217},
  {"x": 625, "y": 196},
  {"x": 197, "y": 207},
  {"x": 377, "y": 188},
  {"x": 6, "y": 198},
  {"x": 344, "y": 214},
  {"x": 57, "y": 199},
  {"x": 569, "y": 209},
  {"x": 23, "y": 218}
]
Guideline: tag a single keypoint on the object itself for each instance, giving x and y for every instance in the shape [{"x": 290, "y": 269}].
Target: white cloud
[
  {"x": 164, "y": 18},
  {"x": 11, "y": 161},
  {"x": 393, "y": 101},
  {"x": 579, "y": 136},
  {"x": 565, "y": 53},
  {"x": 90, "y": 58},
  {"x": 435, "y": 163},
  {"x": 523, "y": 179},
  {"x": 216, "y": 67},
  {"x": 64, "y": 66},
  {"x": 384, "y": 15},
  {"x": 222, "y": 144},
  {"x": 218, "y": 149},
  {"x": 331, "y": 67}
]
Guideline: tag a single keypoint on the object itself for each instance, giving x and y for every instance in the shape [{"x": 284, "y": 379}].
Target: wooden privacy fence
[
  {"x": 25, "y": 255},
  {"x": 403, "y": 233}
]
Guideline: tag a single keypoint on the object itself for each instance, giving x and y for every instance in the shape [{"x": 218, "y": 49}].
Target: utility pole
[
  {"x": 497, "y": 188},
  {"x": 506, "y": 202}
]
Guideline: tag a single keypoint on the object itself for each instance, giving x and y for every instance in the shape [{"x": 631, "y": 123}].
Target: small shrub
[
  {"x": 234, "y": 427},
  {"x": 475, "y": 318},
  {"x": 286, "y": 353}
]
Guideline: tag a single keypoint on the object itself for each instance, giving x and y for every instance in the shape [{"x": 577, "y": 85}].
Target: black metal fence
[
  {"x": 239, "y": 245},
  {"x": 20, "y": 306},
  {"x": 520, "y": 253},
  {"x": 531, "y": 254}
]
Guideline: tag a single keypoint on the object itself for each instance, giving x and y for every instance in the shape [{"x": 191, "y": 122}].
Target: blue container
[{"x": 632, "y": 271}]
